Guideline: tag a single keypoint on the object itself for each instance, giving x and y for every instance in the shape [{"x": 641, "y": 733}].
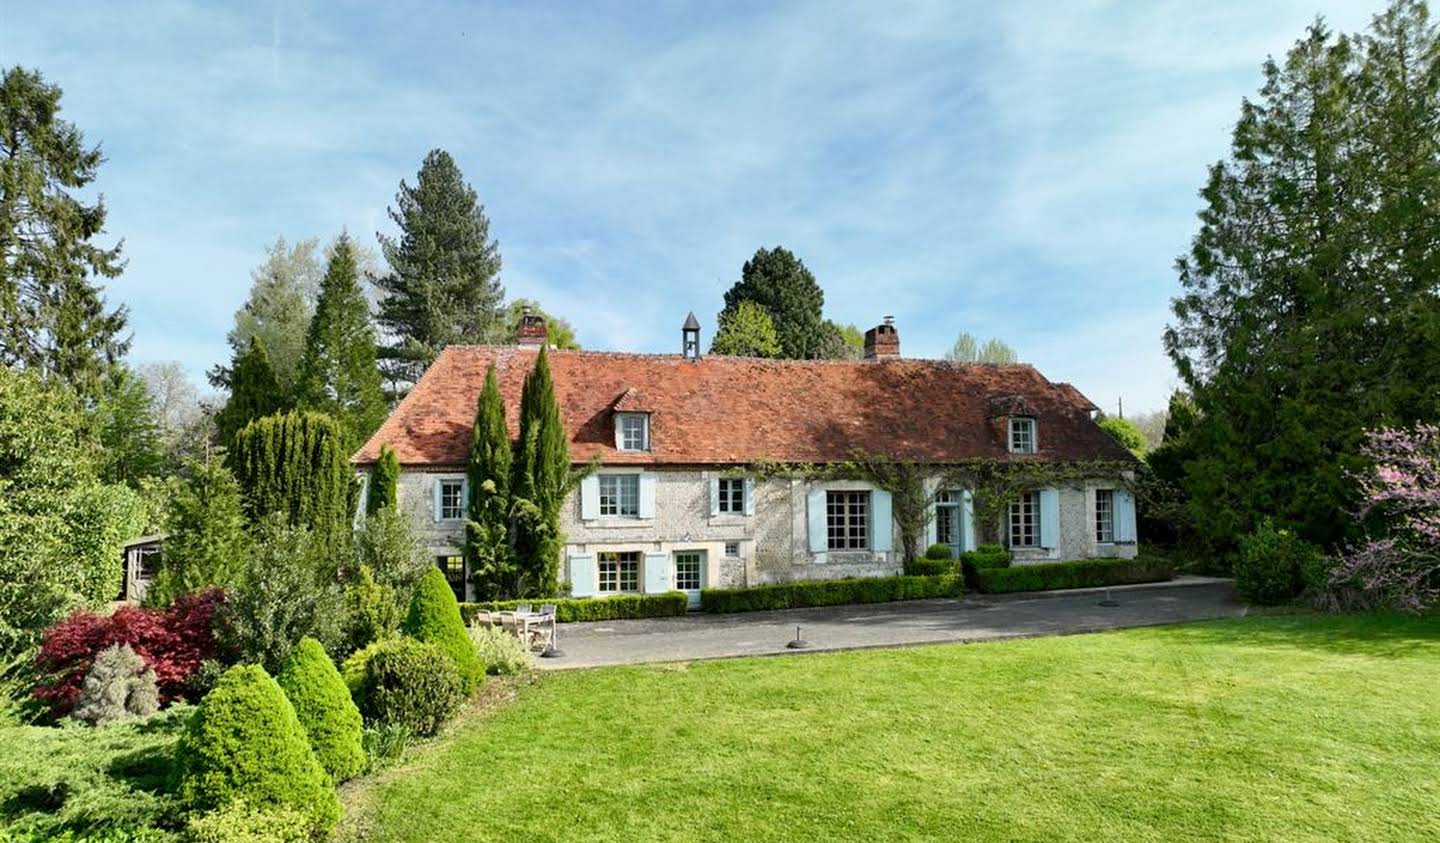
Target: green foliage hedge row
[
  {"x": 576, "y": 609},
  {"x": 929, "y": 566},
  {"x": 1084, "y": 573},
  {"x": 797, "y": 595}
]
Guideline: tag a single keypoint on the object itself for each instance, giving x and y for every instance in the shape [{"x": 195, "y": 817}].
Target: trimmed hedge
[
  {"x": 323, "y": 704},
  {"x": 576, "y": 609},
  {"x": 797, "y": 595},
  {"x": 410, "y": 684},
  {"x": 245, "y": 743},
  {"x": 929, "y": 566},
  {"x": 1084, "y": 573},
  {"x": 435, "y": 619}
]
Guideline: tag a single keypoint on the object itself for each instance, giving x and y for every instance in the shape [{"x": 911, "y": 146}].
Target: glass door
[
  {"x": 947, "y": 521},
  {"x": 690, "y": 574}
]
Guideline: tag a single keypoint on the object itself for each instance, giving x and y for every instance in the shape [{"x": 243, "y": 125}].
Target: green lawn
[{"x": 1282, "y": 728}]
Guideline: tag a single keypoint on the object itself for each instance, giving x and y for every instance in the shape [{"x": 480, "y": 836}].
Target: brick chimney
[
  {"x": 531, "y": 332},
  {"x": 882, "y": 341}
]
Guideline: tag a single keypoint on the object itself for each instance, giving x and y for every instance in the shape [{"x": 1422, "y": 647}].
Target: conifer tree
[
  {"x": 53, "y": 316},
  {"x": 778, "y": 281},
  {"x": 338, "y": 376},
  {"x": 487, "y": 528},
  {"x": 254, "y": 392},
  {"x": 542, "y": 479},
  {"x": 443, "y": 286},
  {"x": 295, "y": 464},
  {"x": 205, "y": 542},
  {"x": 384, "y": 482}
]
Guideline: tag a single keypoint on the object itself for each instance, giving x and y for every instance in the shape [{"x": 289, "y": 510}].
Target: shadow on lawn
[{"x": 1379, "y": 634}]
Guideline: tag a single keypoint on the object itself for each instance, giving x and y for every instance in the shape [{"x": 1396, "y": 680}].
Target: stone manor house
[{"x": 671, "y": 507}]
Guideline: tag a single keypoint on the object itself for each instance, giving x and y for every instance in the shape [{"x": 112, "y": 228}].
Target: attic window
[
  {"x": 632, "y": 431},
  {"x": 1022, "y": 435}
]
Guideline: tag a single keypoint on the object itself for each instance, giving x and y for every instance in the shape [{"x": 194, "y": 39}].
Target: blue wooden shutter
[
  {"x": 749, "y": 496},
  {"x": 714, "y": 496},
  {"x": 882, "y": 525},
  {"x": 590, "y": 498},
  {"x": 647, "y": 496},
  {"x": 1049, "y": 518},
  {"x": 967, "y": 520},
  {"x": 435, "y": 513},
  {"x": 815, "y": 512},
  {"x": 582, "y": 576},
  {"x": 657, "y": 573},
  {"x": 932, "y": 531},
  {"x": 1124, "y": 516}
]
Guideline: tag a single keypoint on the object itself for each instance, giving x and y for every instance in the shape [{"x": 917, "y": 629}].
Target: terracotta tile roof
[{"x": 735, "y": 410}]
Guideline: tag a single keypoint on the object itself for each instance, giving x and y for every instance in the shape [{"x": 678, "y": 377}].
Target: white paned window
[
  {"x": 947, "y": 506},
  {"x": 620, "y": 495},
  {"x": 732, "y": 496},
  {"x": 1104, "y": 515},
  {"x": 619, "y": 572},
  {"x": 1025, "y": 520},
  {"x": 452, "y": 500},
  {"x": 847, "y": 520},
  {"x": 732, "y": 550},
  {"x": 1022, "y": 435},
  {"x": 687, "y": 571},
  {"x": 634, "y": 431}
]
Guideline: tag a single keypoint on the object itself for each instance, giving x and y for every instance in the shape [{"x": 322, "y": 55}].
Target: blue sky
[{"x": 1027, "y": 170}]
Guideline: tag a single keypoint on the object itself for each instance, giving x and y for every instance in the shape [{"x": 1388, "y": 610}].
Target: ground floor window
[
  {"x": 1104, "y": 515},
  {"x": 1024, "y": 520},
  {"x": 688, "y": 567},
  {"x": 619, "y": 572},
  {"x": 847, "y": 520},
  {"x": 947, "y": 518},
  {"x": 453, "y": 567},
  {"x": 732, "y": 550}
]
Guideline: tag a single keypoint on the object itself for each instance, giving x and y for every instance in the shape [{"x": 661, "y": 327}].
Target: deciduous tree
[{"x": 746, "y": 331}]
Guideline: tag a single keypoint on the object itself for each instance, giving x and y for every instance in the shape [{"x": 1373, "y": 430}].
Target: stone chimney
[
  {"x": 531, "y": 332},
  {"x": 882, "y": 341}
]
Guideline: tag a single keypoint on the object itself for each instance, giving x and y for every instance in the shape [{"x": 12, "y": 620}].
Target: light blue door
[{"x": 690, "y": 574}]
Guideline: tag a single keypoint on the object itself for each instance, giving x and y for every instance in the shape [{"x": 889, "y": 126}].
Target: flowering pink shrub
[
  {"x": 1402, "y": 488},
  {"x": 173, "y": 642}
]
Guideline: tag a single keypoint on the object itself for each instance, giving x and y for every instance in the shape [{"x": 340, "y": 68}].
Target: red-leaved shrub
[{"x": 173, "y": 642}]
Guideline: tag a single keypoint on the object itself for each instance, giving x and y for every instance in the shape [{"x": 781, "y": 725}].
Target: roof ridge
[{"x": 664, "y": 355}]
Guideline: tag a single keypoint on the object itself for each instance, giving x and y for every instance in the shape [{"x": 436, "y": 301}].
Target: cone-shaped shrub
[
  {"x": 435, "y": 619},
  {"x": 326, "y": 712},
  {"x": 244, "y": 742}
]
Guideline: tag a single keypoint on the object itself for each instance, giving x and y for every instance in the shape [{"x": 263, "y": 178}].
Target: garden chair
[
  {"x": 522, "y": 609},
  {"x": 482, "y": 618}
]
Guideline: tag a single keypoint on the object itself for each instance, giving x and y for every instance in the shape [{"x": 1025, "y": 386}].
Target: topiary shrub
[
  {"x": 938, "y": 550},
  {"x": 410, "y": 684},
  {"x": 434, "y": 618},
  {"x": 245, "y": 743},
  {"x": 1271, "y": 566},
  {"x": 925, "y": 566},
  {"x": 240, "y": 822},
  {"x": 986, "y": 557},
  {"x": 118, "y": 687},
  {"x": 326, "y": 711},
  {"x": 501, "y": 653}
]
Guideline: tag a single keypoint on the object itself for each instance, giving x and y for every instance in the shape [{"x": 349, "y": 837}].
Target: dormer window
[
  {"x": 1022, "y": 435},
  {"x": 632, "y": 431}
]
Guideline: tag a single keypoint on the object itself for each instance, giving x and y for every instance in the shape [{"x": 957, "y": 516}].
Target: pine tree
[
  {"x": 338, "y": 376},
  {"x": 1308, "y": 311},
  {"x": 205, "y": 542},
  {"x": 384, "y": 482},
  {"x": 779, "y": 282},
  {"x": 746, "y": 331},
  {"x": 295, "y": 464},
  {"x": 542, "y": 479},
  {"x": 53, "y": 318},
  {"x": 487, "y": 528},
  {"x": 443, "y": 286},
  {"x": 254, "y": 392}
]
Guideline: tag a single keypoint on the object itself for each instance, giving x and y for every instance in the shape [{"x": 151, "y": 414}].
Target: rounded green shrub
[
  {"x": 938, "y": 550},
  {"x": 1271, "y": 565},
  {"x": 434, "y": 618},
  {"x": 323, "y": 704},
  {"x": 410, "y": 684},
  {"x": 245, "y": 743}
]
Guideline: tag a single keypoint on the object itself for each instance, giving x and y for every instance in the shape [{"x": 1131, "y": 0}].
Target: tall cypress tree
[
  {"x": 443, "y": 286},
  {"x": 542, "y": 479},
  {"x": 53, "y": 318},
  {"x": 254, "y": 392},
  {"x": 337, "y": 372},
  {"x": 384, "y": 482},
  {"x": 296, "y": 464},
  {"x": 487, "y": 528}
]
